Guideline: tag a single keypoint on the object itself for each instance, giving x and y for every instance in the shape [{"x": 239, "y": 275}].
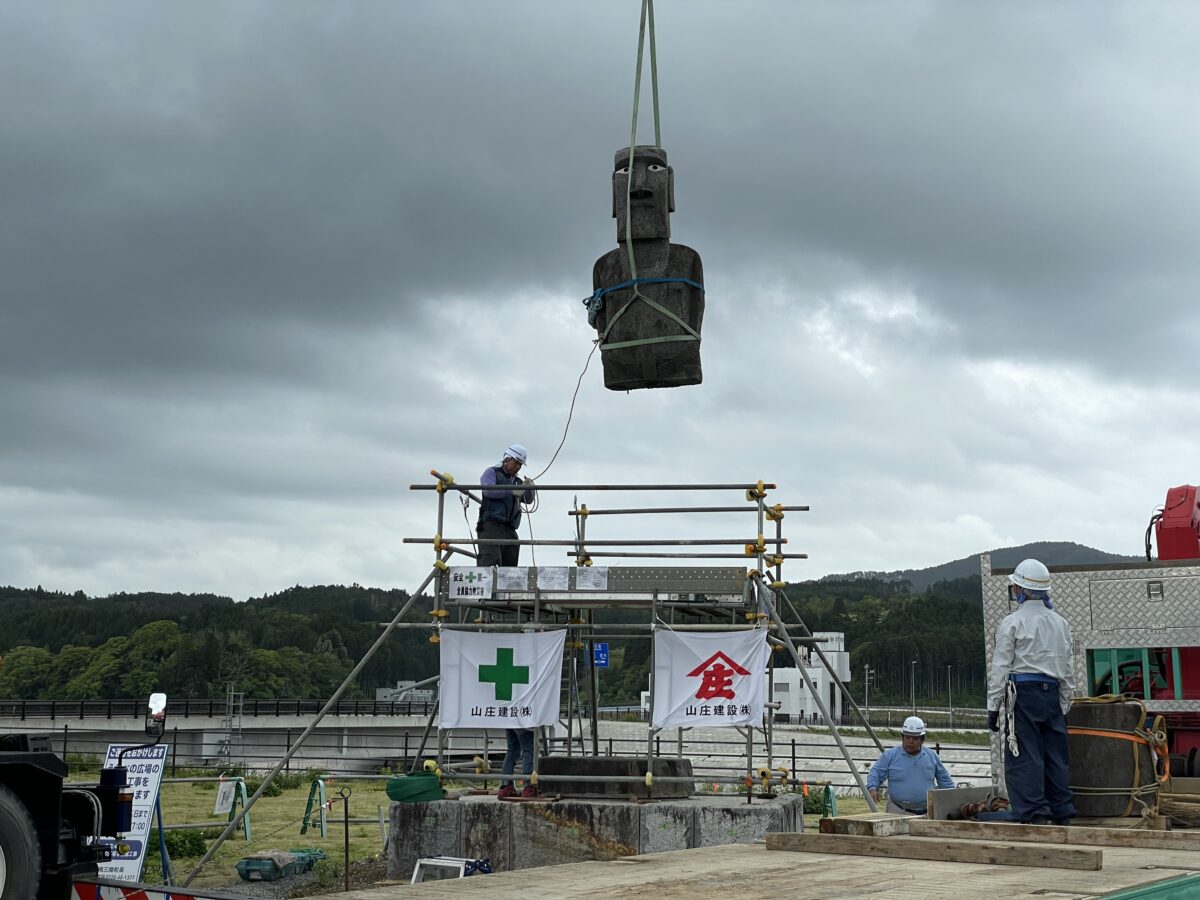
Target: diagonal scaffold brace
[{"x": 329, "y": 704}]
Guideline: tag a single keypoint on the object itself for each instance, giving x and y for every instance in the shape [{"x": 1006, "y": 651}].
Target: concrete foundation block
[
  {"x": 520, "y": 835},
  {"x": 667, "y": 826},
  {"x": 419, "y": 830}
]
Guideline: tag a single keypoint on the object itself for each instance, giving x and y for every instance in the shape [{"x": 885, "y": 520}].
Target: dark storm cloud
[{"x": 267, "y": 263}]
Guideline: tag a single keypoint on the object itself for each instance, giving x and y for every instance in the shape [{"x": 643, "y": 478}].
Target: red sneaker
[
  {"x": 507, "y": 791},
  {"x": 530, "y": 791}
]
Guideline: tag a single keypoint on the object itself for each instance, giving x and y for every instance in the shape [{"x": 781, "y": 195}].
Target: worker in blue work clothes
[
  {"x": 500, "y": 510},
  {"x": 909, "y": 771},
  {"x": 1029, "y": 695}
]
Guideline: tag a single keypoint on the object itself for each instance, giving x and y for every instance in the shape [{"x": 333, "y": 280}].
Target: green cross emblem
[{"x": 504, "y": 674}]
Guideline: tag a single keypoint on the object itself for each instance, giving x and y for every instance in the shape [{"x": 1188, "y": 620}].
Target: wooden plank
[
  {"x": 940, "y": 850},
  {"x": 1148, "y": 823},
  {"x": 867, "y": 825},
  {"x": 1184, "y": 785},
  {"x": 943, "y": 801},
  {"x": 1057, "y": 834}
]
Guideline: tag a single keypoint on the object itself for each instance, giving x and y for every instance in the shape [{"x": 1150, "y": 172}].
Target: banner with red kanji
[{"x": 709, "y": 678}]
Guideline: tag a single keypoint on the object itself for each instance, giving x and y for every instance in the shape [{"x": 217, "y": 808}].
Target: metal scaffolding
[{"x": 675, "y": 597}]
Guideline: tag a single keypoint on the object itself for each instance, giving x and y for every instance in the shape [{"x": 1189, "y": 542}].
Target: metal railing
[{"x": 201, "y": 708}]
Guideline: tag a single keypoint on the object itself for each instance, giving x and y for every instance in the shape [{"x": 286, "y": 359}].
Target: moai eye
[
  {"x": 655, "y": 167},
  {"x": 624, "y": 171}
]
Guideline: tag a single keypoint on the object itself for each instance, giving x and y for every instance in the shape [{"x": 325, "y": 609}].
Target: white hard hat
[
  {"x": 1031, "y": 575},
  {"x": 913, "y": 725},
  {"x": 517, "y": 452}
]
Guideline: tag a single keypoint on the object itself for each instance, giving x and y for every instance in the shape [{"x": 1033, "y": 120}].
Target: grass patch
[{"x": 274, "y": 824}]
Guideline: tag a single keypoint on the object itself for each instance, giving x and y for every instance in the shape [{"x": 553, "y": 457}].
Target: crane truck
[
  {"x": 54, "y": 833},
  {"x": 1136, "y": 625}
]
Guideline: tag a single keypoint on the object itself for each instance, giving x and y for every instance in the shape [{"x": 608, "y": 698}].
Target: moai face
[{"x": 652, "y": 194}]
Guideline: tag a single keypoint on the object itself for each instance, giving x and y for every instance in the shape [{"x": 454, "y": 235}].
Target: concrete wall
[{"x": 521, "y": 835}]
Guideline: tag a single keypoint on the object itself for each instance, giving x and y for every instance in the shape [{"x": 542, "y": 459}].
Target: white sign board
[
  {"x": 226, "y": 791},
  {"x": 512, "y": 578},
  {"x": 470, "y": 583},
  {"x": 552, "y": 578},
  {"x": 591, "y": 578},
  {"x": 144, "y": 770}
]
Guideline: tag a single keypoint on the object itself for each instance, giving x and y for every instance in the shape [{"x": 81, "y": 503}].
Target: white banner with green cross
[{"x": 500, "y": 680}]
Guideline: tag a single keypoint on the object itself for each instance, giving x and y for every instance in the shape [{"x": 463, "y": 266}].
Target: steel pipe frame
[
  {"x": 613, "y": 554},
  {"x": 756, "y": 492},
  {"x": 553, "y": 542},
  {"x": 454, "y": 486},
  {"x": 672, "y": 509},
  {"x": 455, "y": 775},
  {"x": 552, "y": 626}
]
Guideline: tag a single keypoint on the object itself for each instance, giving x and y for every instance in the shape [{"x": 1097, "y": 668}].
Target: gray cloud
[{"x": 266, "y": 264}]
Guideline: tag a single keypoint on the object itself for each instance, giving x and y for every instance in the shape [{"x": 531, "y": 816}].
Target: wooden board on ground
[
  {"x": 751, "y": 872},
  {"x": 1147, "y": 823},
  {"x": 867, "y": 824},
  {"x": 1056, "y": 834},
  {"x": 938, "y": 849},
  {"x": 943, "y": 801}
]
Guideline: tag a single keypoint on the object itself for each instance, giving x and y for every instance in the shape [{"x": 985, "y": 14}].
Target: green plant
[
  {"x": 181, "y": 844},
  {"x": 273, "y": 789},
  {"x": 327, "y": 873}
]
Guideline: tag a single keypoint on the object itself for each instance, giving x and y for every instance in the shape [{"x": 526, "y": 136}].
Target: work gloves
[{"x": 994, "y": 720}]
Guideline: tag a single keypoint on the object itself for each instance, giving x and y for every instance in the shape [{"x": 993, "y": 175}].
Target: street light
[
  {"x": 913, "y": 670},
  {"x": 950, "y": 696}
]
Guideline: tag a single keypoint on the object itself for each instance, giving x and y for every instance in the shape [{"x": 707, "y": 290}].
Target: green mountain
[{"x": 1052, "y": 553}]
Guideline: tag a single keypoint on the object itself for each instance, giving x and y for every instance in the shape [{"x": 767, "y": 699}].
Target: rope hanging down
[{"x": 655, "y": 345}]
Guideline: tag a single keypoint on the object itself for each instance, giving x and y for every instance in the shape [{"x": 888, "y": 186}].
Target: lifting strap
[{"x": 595, "y": 302}]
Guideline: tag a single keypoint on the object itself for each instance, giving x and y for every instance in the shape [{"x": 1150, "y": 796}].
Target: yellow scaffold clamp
[
  {"x": 431, "y": 766},
  {"x": 773, "y": 560},
  {"x": 778, "y": 585},
  {"x": 444, "y": 480},
  {"x": 764, "y": 775},
  {"x": 783, "y": 776},
  {"x": 756, "y": 616},
  {"x": 756, "y": 493},
  {"x": 757, "y": 548},
  {"x": 583, "y": 560},
  {"x": 774, "y": 513},
  {"x": 583, "y": 511},
  {"x": 649, "y": 779},
  {"x": 482, "y": 766},
  {"x": 441, "y": 564},
  {"x": 438, "y": 544}
]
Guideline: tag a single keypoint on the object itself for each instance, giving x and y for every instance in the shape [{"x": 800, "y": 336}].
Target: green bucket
[{"x": 419, "y": 787}]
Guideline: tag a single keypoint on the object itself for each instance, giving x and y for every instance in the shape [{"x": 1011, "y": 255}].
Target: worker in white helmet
[
  {"x": 500, "y": 511},
  {"x": 499, "y": 518},
  {"x": 1029, "y": 694},
  {"x": 909, "y": 771}
]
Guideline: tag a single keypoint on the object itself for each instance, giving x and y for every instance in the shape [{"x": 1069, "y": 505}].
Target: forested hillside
[{"x": 301, "y": 642}]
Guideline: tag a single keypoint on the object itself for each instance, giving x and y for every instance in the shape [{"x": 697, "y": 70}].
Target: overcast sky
[{"x": 266, "y": 264}]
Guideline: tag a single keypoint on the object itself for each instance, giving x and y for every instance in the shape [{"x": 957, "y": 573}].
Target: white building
[{"x": 797, "y": 704}]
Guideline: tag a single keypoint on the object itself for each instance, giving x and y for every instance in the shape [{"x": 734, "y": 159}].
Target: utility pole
[
  {"x": 913, "y": 682},
  {"x": 950, "y": 696},
  {"x": 867, "y": 691}
]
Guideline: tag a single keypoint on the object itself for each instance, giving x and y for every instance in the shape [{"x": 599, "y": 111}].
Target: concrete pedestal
[{"x": 524, "y": 835}]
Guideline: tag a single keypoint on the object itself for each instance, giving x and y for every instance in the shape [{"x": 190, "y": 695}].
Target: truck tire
[{"x": 20, "y": 854}]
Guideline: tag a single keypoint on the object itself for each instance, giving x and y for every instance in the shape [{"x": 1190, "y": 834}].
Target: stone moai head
[{"x": 652, "y": 194}]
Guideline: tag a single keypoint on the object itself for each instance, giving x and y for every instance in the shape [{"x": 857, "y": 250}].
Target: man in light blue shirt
[{"x": 909, "y": 771}]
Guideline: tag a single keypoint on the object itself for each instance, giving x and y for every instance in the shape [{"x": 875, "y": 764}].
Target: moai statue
[{"x": 650, "y": 339}]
